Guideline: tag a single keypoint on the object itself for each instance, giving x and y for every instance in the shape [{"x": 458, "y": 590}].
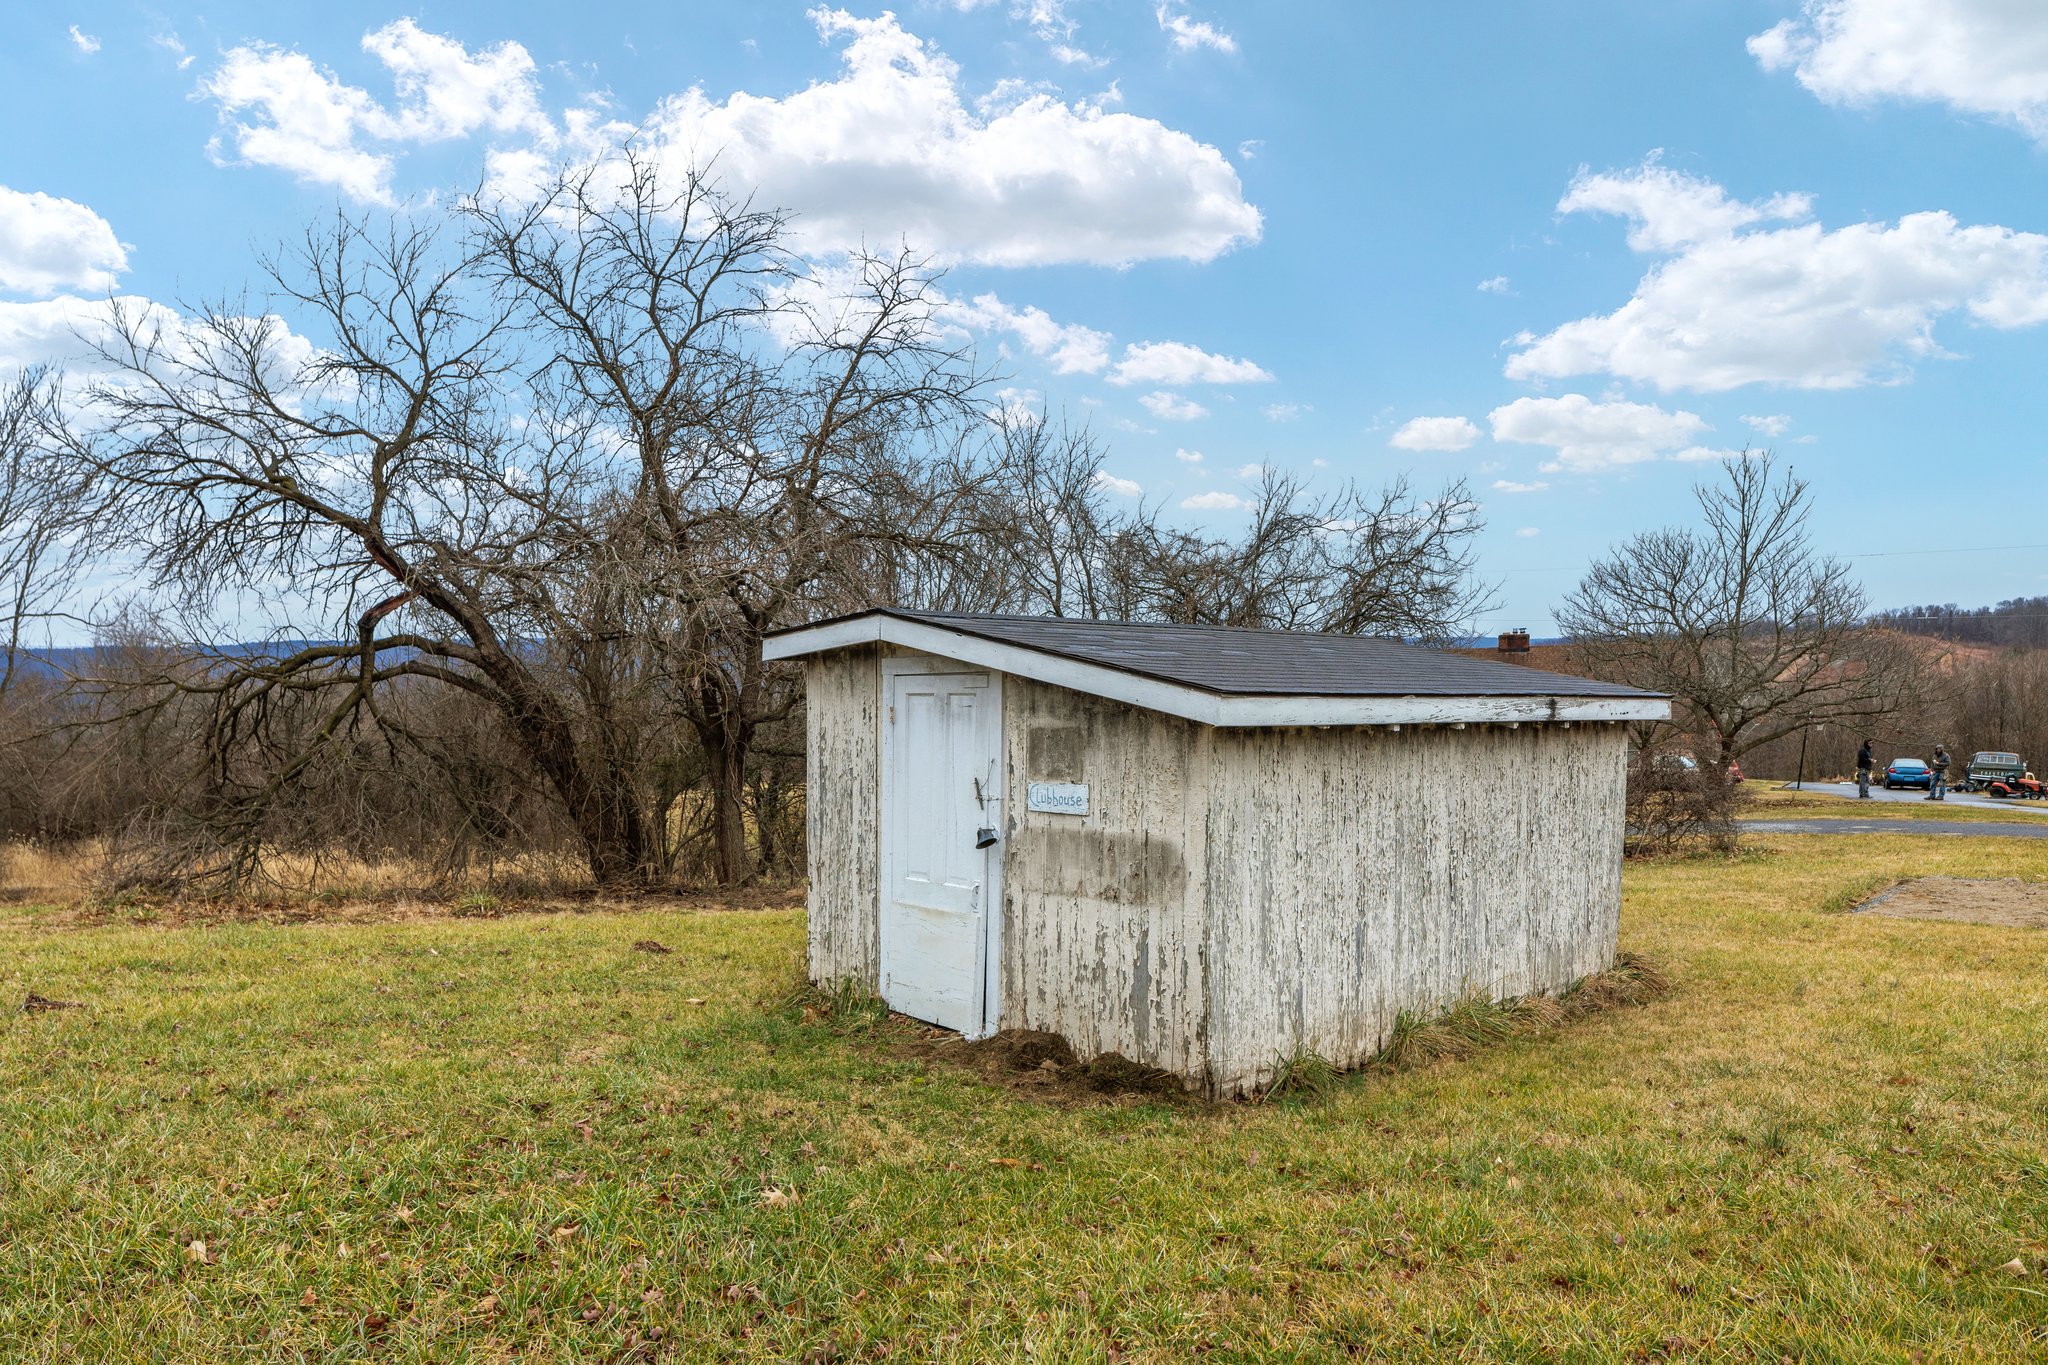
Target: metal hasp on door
[{"x": 941, "y": 794}]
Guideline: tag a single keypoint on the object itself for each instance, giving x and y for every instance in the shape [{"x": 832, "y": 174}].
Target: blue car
[{"x": 1908, "y": 772}]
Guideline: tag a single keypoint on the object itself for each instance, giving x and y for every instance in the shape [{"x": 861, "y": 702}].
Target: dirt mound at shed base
[
  {"x": 2009, "y": 902},
  {"x": 1044, "y": 1065}
]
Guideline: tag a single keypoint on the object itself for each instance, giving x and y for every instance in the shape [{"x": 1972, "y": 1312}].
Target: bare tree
[
  {"x": 784, "y": 438},
  {"x": 38, "y": 551},
  {"x": 1752, "y": 632},
  {"x": 1347, "y": 561},
  {"x": 390, "y": 479}
]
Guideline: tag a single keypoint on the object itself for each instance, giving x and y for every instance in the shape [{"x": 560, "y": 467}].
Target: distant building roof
[{"x": 1235, "y": 676}]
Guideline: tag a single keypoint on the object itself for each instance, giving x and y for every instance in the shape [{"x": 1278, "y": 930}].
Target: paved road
[
  {"x": 1847, "y": 792},
  {"x": 1985, "y": 829}
]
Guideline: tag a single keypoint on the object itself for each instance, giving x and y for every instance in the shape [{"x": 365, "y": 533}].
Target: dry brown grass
[{"x": 70, "y": 886}]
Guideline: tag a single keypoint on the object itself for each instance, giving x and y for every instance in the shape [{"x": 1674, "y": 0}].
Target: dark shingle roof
[{"x": 1235, "y": 662}]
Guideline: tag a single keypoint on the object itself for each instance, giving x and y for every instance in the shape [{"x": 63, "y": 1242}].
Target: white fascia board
[{"x": 1192, "y": 703}]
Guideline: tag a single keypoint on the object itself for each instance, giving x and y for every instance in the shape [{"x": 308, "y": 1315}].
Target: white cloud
[
  {"x": 287, "y": 113},
  {"x": 1171, "y": 407},
  {"x": 1985, "y": 57},
  {"x": 1528, "y": 531},
  {"x": 65, "y": 331},
  {"x": 1590, "y": 436},
  {"x": 1075, "y": 349},
  {"x": 445, "y": 93},
  {"x": 1668, "y": 209},
  {"x": 84, "y": 42},
  {"x": 1251, "y": 471},
  {"x": 1249, "y": 149},
  {"x": 1190, "y": 34},
  {"x": 49, "y": 244},
  {"x": 1510, "y": 486},
  {"x": 1800, "y": 306},
  {"x": 1283, "y": 412},
  {"x": 307, "y": 120},
  {"x": 1188, "y": 456},
  {"x": 1435, "y": 433},
  {"x": 173, "y": 44},
  {"x": 1177, "y": 363},
  {"x": 1775, "y": 425},
  {"x": 1703, "y": 454},
  {"x": 1110, "y": 483},
  {"x": 1070, "y": 347},
  {"x": 892, "y": 151},
  {"x": 1497, "y": 285},
  {"x": 1216, "y": 501}
]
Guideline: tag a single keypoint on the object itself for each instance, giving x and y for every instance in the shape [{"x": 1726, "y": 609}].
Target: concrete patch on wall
[
  {"x": 1053, "y": 753},
  {"x": 1119, "y": 867}
]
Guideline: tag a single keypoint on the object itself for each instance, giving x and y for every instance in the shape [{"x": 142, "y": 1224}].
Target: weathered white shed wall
[
  {"x": 1355, "y": 873},
  {"x": 1232, "y": 896},
  {"x": 1104, "y": 923},
  {"x": 843, "y": 772}
]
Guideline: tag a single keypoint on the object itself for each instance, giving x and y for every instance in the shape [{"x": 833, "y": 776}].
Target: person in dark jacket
[
  {"x": 1864, "y": 759},
  {"x": 1937, "y": 786}
]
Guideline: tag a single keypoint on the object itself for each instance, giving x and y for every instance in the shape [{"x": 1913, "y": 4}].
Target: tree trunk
[
  {"x": 601, "y": 804},
  {"x": 725, "y": 760}
]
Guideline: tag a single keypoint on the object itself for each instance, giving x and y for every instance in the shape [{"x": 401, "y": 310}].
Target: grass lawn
[
  {"x": 482, "y": 1140},
  {"x": 1775, "y": 803}
]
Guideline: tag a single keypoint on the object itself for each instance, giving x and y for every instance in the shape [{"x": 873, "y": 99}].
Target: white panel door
[{"x": 941, "y": 788}]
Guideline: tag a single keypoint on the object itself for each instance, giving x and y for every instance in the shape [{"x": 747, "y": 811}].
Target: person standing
[
  {"x": 1937, "y": 787},
  {"x": 1864, "y": 758}
]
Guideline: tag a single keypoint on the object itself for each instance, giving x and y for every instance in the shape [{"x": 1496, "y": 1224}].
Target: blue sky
[{"x": 1572, "y": 250}]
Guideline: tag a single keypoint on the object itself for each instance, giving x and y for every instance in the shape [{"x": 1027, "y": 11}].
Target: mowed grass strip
[
  {"x": 1772, "y": 802},
  {"x": 521, "y": 1139}
]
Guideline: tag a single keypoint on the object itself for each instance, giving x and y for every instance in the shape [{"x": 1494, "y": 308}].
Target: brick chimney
[{"x": 1514, "y": 642}]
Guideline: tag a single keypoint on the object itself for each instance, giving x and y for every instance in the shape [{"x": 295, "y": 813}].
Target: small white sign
[{"x": 1057, "y": 798}]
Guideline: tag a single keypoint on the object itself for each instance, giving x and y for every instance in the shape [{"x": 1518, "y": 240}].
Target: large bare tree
[
  {"x": 1753, "y": 632},
  {"x": 570, "y": 457},
  {"x": 782, "y": 434}
]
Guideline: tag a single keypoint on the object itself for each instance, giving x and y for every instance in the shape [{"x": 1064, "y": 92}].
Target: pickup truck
[{"x": 1991, "y": 766}]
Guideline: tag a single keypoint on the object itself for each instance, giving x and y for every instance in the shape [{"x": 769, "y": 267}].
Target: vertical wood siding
[
  {"x": 1355, "y": 873},
  {"x": 1104, "y": 931},
  {"x": 842, "y": 766}
]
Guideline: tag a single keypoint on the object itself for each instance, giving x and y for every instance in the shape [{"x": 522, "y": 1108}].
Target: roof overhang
[{"x": 1193, "y": 703}]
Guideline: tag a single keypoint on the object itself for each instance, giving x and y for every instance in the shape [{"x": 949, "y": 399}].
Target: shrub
[
  {"x": 1673, "y": 808},
  {"x": 478, "y": 905}
]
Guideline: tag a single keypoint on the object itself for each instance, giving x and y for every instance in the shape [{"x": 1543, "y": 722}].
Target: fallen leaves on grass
[
  {"x": 648, "y": 945},
  {"x": 37, "y": 1004},
  {"x": 197, "y": 1252}
]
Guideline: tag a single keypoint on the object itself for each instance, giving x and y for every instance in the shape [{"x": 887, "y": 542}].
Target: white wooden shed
[{"x": 1200, "y": 848}]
